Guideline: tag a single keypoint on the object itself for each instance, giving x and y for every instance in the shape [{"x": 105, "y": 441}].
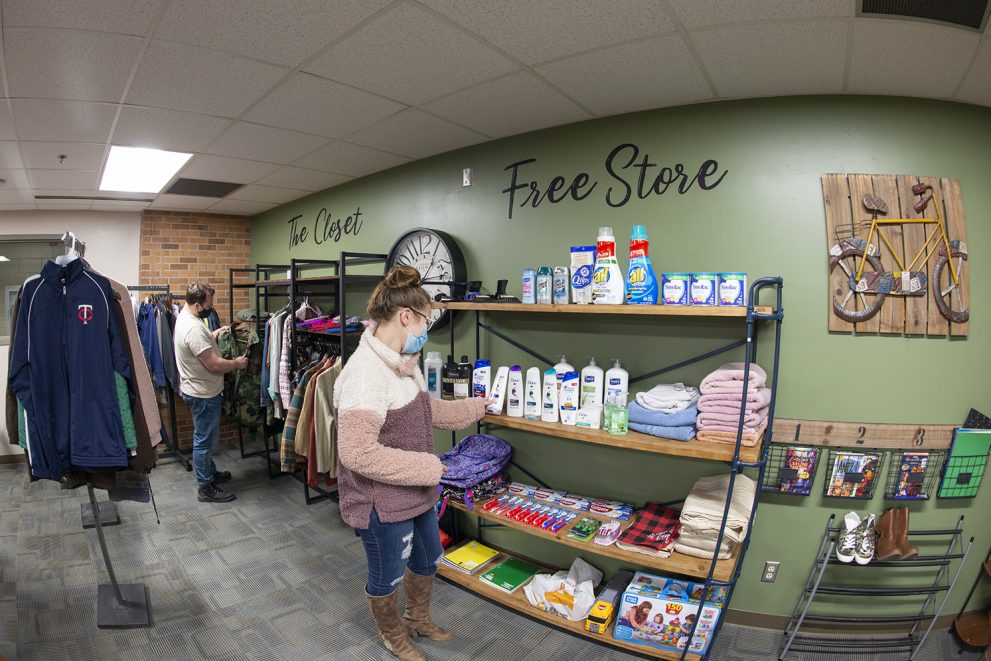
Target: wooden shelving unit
[
  {"x": 632, "y": 440},
  {"x": 518, "y": 602},
  {"x": 635, "y": 310}
]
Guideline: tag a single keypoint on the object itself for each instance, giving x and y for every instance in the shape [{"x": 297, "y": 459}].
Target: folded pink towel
[
  {"x": 729, "y": 378},
  {"x": 720, "y": 419},
  {"x": 734, "y": 411},
  {"x": 724, "y": 427},
  {"x": 757, "y": 398},
  {"x": 749, "y": 439}
]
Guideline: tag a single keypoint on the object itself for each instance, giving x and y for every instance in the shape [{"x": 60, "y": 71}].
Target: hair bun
[{"x": 402, "y": 277}]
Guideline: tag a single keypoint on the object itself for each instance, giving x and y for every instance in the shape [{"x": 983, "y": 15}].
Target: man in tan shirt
[{"x": 201, "y": 378}]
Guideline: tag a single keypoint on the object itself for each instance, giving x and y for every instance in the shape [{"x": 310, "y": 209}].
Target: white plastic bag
[{"x": 569, "y": 595}]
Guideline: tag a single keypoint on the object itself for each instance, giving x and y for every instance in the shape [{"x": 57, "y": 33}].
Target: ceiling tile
[
  {"x": 15, "y": 179},
  {"x": 71, "y": 121},
  {"x": 416, "y": 134},
  {"x": 55, "y": 179},
  {"x": 183, "y": 202},
  {"x": 808, "y": 57},
  {"x": 316, "y": 105},
  {"x": 182, "y": 77},
  {"x": 126, "y": 16},
  {"x": 350, "y": 159},
  {"x": 218, "y": 168},
  {"x": 256, "y": 142},
  {"x": 302, "y": 179},
  {"x": 7, "y": 131},
  {"x": 703, "y": 13},
  {"x": 976, "y": 87},
  {"x": 901, "y": 57},
  {"x": 119, "y": 205},
  {"x": 240, "y": 207},
  {"x": 282, "y": 31},
  {"x": 16, "y": 196},
  {"x": 271, "y": 194},
  {"x": 78, "y": 155},
  {"x": 620, "y": 87},
  {"x": 166, "y": 129},
  {"x": 410, "y": 55},
  {"x": 550, "y": 29},
  {"x": 515, "y": 104},
  {"x": 68, "y": 64},
  {"x": 10, "y": 155}
]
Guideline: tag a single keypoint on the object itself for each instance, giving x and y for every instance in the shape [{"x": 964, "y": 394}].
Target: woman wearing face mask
[{"x": 388, "y": 472}]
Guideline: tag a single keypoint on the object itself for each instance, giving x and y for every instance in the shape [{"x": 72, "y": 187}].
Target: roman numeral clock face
[{"x": 437, "y": 257}]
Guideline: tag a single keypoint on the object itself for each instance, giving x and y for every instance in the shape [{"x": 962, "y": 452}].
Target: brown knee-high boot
[
  {"x": 385, "y": 612},
  {"x": 887, "y": 543},
  {"x": 905, "y": 547},
  {"x": 416, "y": 618}
]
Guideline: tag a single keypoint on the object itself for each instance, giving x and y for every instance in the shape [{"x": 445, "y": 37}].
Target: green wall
[{"x": 765, "y": 218}]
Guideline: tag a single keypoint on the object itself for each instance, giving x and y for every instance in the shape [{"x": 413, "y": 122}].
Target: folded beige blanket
[
  {"x": 749, "y": 439},
  {"x": 703, "y": 509},
  {"x": 725, "y": 553}
]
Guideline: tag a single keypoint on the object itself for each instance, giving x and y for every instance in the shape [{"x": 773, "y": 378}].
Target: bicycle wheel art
[{"x": 898, "y": 261}]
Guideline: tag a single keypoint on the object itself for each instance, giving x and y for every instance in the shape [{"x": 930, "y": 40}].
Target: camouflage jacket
[{"x": 241, "y": 386}]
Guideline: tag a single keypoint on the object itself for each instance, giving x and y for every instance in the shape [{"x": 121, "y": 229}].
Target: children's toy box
[{"x": 659, "y": 612}]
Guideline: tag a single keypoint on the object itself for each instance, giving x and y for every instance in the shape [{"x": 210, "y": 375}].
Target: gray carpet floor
[{"x": 265, "y": 577}]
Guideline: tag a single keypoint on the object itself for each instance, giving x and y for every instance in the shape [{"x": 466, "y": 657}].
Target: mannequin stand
[{"x": 108, "y": 514}]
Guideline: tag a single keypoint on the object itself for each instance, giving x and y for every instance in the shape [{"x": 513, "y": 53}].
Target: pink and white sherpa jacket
[{"x": 385, "y": 443}]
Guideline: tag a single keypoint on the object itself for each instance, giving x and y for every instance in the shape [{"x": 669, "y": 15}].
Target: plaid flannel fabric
[
  {"x": 287, "y": 451},
  {"x": 657, "y": 528}
]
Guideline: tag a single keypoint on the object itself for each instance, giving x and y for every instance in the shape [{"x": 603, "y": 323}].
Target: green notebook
[
  {"x": 510, "y": 574},
  {"x": 964, "y": 467}
]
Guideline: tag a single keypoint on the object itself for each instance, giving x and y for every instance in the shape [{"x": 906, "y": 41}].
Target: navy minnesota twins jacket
[{"x": 70, "y": 373}]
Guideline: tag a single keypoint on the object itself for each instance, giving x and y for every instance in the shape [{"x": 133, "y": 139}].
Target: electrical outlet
[
  {"x": 770, "y": 571},
  {"x": 466, "y": 178}
]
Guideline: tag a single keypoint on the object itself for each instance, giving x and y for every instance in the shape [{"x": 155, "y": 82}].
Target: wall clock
[{"x": 438, "y": 258}]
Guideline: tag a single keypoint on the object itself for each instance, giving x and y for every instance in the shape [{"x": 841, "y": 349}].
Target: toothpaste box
[
  {"x": 521, "y": 489},
  {"x": 574, "y": 502},
  {"x": 675, "y": 288},
  {"x": 703, "y": 288},
  {"x": 548, "y": 495},
  {"x": 732, "y": 289},
  {"x": 611, "y": 510}
]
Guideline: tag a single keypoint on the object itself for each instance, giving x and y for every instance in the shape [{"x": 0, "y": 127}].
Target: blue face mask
[{"x": 414, "y": 343}]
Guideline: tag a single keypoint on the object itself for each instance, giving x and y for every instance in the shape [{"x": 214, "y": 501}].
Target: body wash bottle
[{"x": 498, "y": 395}]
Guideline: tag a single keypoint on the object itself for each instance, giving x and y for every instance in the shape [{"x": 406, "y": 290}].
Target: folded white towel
[
  {"x": 703, "y": 509},
  {"x": 668, "y": 397},
  {"x": 725, "y": 552}
]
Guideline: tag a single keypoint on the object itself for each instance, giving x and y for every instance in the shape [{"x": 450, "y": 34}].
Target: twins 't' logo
[{"x": 85, "y": 314}]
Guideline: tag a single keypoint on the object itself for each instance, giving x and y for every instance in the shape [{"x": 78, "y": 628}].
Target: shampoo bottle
[
  {"x": 498, "y": 395},
  {"x": 462, "y": 382},
  {"x": 562, "y": 368},
  {"x": 569, "y": 399},
  {"x": 449, "y": 376},
  {"x": 531, "y": 394},
  {"x": 607, "y": 278},
  {"x": 481, "y": 379},
  {"x": 591, "y": 385},
  {"x": 617, "y": 380},
  {"x": 641, "y": 285},
  {"x": 549, "y": 399},
  {"x": 514, "y": 392},
  {"x": 433, "y": 366}
]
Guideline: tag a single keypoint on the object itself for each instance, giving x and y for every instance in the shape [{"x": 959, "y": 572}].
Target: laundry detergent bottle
[
  {"x": 607, "y": 278},
  {"x": 641, "y": 285}
]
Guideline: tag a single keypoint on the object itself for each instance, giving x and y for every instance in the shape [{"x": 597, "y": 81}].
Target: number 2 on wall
[{"x": 862, "y": 431}]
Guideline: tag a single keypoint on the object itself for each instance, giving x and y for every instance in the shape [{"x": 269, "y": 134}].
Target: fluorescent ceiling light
[
  {"x": 140, "y": 170},
  {"x": 3, "y": 259}
]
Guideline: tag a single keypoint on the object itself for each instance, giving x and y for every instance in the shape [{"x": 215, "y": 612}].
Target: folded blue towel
[
  {"x": 642, "y": 416},
  {"x": 684, "y": 433}
]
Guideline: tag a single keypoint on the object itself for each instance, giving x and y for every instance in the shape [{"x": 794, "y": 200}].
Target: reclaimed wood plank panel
[
  {"x": 864, "y": 434},
  {"x": 937, "y": 324},
  {"x": 860, "y": 184},
  {"x": 914, "y": 236},
  {"x": 957, "y": 229},
  {"x": 836, "y": 195},
  {"x": 892, "y": 313}
]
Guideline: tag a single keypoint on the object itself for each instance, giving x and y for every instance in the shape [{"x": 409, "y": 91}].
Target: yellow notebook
[{"x": 471, "y": 556}]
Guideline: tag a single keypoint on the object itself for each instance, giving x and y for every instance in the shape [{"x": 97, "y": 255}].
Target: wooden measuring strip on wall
[{"x": 866, "y": 434}]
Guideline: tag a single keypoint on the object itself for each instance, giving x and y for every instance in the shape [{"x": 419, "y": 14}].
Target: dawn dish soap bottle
[
  {"x": 607, "y": 278},
  {"x": 641, "y": 285}
]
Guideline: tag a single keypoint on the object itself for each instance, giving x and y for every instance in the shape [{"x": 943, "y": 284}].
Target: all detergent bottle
[
  {"x": 641, "y": 285},
  {"x": 607, "y": 278}
]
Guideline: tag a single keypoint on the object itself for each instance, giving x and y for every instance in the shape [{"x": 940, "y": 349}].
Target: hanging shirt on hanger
[{"x": 148, "y": 328}]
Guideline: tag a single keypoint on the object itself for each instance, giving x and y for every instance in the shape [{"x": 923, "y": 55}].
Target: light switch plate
[{"x": 466, "y": 178}]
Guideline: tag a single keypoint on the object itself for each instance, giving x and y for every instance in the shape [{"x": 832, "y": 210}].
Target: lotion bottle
[
  {"x": 514, "y": 392},
  {"x": 617, "y": 380},
  {"x": 498, "y": 395},
  {"x": 549, "y": 399},
  {"x": 531, "y": 394},
  {"x": 591, "y": 385}
]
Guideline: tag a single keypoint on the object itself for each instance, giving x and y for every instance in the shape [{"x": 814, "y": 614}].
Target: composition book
[
  {"x": 510, "y": 574},
  {"x": 470, "y": 557}
]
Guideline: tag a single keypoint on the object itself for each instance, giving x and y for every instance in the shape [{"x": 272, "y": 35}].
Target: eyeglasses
[{"x": 427, "y": 321}]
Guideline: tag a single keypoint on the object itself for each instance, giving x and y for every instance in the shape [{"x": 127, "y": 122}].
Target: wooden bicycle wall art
[{"x": 897, "y": 260}]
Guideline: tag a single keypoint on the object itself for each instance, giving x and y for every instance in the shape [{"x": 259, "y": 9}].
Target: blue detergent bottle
[{"x": 641, "y": 285}]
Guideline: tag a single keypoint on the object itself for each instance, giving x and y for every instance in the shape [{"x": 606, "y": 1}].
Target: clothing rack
[
  {"x": 72, "y": 242},
  {"x": 174, "y": 451}
]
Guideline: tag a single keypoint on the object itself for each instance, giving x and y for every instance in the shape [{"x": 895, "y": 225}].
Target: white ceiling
[{"x": 295, "y": 96}]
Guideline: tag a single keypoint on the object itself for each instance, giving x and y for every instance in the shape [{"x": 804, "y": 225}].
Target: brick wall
[{"x": 178, "y": 248}]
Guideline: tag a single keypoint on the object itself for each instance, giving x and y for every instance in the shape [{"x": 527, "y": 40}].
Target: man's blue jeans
[
  {"x": 391, "y": 547},
  {"x": 206, "y": 431}
]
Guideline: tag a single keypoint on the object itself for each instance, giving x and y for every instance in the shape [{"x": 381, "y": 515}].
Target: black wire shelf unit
[
  {"x": 838, "y": 597},
  {"x": 270, "y": 285},
  {"x": 736, "y": 457}
]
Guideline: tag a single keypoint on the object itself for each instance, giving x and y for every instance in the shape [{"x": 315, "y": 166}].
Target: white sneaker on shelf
[
  {"x": 866, "y": 540},
  {"x": 846, "y": 543}
]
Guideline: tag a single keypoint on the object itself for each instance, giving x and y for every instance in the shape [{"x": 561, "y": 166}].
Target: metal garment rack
[
  {"x": 331, "y": 286},
  {"x": 754, "y": 314},
  {"x": 823, "y": 582},
  {"x": 174, "y": 450}
]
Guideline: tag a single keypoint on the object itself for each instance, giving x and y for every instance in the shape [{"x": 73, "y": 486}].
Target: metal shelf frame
[{"x": 754, "y": 316}]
